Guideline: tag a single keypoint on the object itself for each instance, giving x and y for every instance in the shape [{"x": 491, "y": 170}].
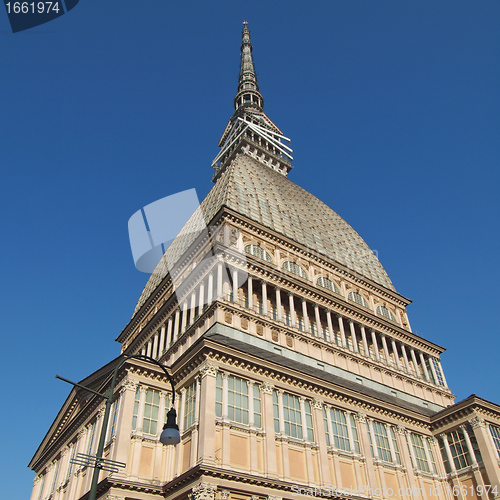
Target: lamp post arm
[{"x": 105, "y": 420}]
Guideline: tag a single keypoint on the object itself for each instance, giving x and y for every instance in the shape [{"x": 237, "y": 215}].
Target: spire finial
[{"x": 248, "y": 88}]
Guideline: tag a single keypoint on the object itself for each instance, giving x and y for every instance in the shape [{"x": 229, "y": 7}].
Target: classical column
[
  {"x": 192, "y": 307},
  {"x": 155, "y": 345},
  {"x": 318, "y": 322},
  {"x": 278, "y": 303},
  {"x": 331, "y": 333},
  {"x": 235, "y": 286},
  {"x": 251, "y": 412},
  {"x": 449, "y": 456},
  {"x": 374, "y": 441},
  {"x": 428, "y": 453},
  {"x": 405, "y": 357},
  {"x": 280, "y": 406},
  {"x": 433, "y": 370},
  {"x": 184, "y": 316},
  {"x": 201, "y": 298},
  {"x": 366, "y": 350},
  {"x": 182, "y": 405},
  {"x": 391, "y": 444},
  {"x": 424, "y": 366},
  {"x": 386, "y": 350},
  {"x": 302, "y": 402},
  {"x": 270, "y": 466},
  {"x": 342, "y": 332},
  {"x": 168, "y": 339},
  {"x": 162, "y": 340},
  {"x": 365, "y": 446},
  {"x": 472, "y": 455},
  {"x": 488, "y": 451},
  {"x": 305, "y": 315},
  {"x": 220, "y": 289},
  {"x": 292, "y": 309},
  {"x": 442, "y": 373},
  {"x": 124, "y": 421},
  {"x": 354, "y": 340},
  {"x": 396, "y": 355},
  {"x": 375, "y": 345},
  {"x": 206, "y": 436},
  {"x": 140, "y": 411},
  {"x": 149, "y": 348},
  {"x": 402, "y": 436},
  {"x": 176, "y": 324},
  {"x": 250, "y": 292},
  {"x": 225, "y": 387},
  {"x": 348, "y": 416},
  {"x": 414, "y": 359},
  {"x": 210, "y": 288},
  {"x": 264, "y": 298},
  {"x": 143, "y": 350},
  {"x": 412, "y": 450},
  {"x": 319, "y": 425}
]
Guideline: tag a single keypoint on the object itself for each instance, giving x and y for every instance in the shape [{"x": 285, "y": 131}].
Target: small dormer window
[
  {"x": 258, "y": 252},
  {"x": 328, "y": 284},
  {"x": 386, "y": 313},
  {"x": 294, "y": 268},
  {"x": 359, "y": 299}
]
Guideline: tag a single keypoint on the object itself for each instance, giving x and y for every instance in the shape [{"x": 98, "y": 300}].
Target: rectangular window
[
  {"x": 151, "y": 411},
  {"x": 309, "y": 424},
  {"x": 439, "y": 374},
  {"x": 291, "y": 416},
  {"x": 42, "y": 484},
  {"x": 495, "y": 434},
  {"x": 419, "y": 449},
  {"x": 90, "y": 438},
  {"x": 73, "y": 456},
  {"x": 339, "y": 429},
  {"x": 237, "y": 400},
  {"x": 381, "y": 441},
  {"x": 114, "y": 416},
  {"x": 458, "y": 448},
  {"x": 56, "y": 473},
  {"x": 189, "y": 406}
]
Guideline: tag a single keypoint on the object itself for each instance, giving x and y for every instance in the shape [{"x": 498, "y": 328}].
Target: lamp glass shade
[{"x": 170, "y": 435}]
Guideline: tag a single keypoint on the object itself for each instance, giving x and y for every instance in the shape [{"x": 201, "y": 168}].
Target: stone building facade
[{"x": 295, "y": 365}]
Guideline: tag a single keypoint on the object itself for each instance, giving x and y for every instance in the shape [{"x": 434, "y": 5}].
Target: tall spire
[
  {"x": 249, "y": 130},
  {"x": 248, "y": 88}
]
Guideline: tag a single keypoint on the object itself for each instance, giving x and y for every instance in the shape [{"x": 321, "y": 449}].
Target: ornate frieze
[{"x": 203, "y": 491}]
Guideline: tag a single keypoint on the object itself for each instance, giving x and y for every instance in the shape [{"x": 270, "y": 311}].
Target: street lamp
[{"x": 170, "y": 434}]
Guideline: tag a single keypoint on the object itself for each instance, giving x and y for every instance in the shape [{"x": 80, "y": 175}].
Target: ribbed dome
[{"x": 271, "y": 199}]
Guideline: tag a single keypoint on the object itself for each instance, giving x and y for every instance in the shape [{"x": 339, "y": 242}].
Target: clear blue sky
[{"x": 393, "y": 109}]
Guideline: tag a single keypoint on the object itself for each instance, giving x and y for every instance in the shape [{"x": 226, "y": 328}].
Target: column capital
[
  {"x": 401, "y": 430},
  {"x": 339, "y": 316},
  {"x": 317, "y": 403},
  {"x": 360, "y": 417},
  {"x": 203, "y": 491},
  {"x": 224, "y": 494},
  {"x": 432, "y": 440},
  {"x": 351, "y": 321},
  {"x": 477, "y": 421},
  {"x": 267, "y": 387},
  {"x": 207, "y": 368}
]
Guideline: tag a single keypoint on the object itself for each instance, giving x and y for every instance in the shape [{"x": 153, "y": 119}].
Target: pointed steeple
[
  {"x": 248, "y": 88},
  {"x": 250, "y": 131}
]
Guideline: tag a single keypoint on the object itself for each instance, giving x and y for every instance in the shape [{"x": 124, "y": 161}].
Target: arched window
[
  {"x": 359, "y": 299},
  {"x": 386, "y": 313},
  {"x": 258, "y": 252},
  {"x": 294, "y": 268},
  {"x": 328, "y": 284}
]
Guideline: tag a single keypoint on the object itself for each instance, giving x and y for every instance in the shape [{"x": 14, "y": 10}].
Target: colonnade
[{"x": 296, "y": 312}]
